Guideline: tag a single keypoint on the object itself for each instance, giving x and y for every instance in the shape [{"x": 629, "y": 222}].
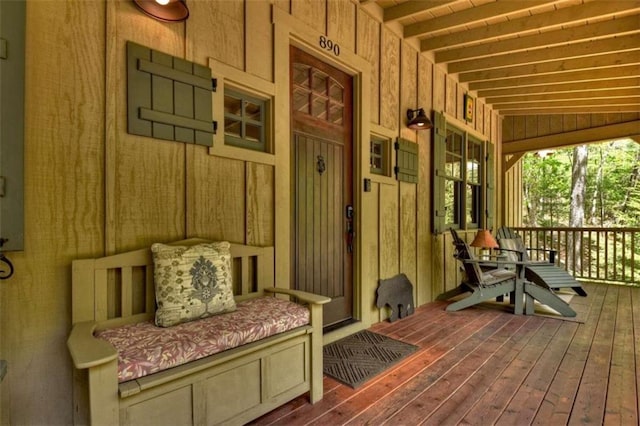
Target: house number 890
[{"x": 329, "y": 45}]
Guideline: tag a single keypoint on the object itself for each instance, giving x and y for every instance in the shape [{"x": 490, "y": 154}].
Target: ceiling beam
[
  {"x": 609, "y": 109},
  {"x": 598, "y": 85},
  {"x": 533, "y": 23},
  {"x": 613, "y": 101},
  {"x": 596, "y": 30},
  {"x": 412, "y": 8},
  {"x": 572, "y": 76},
  {"x": 573, "y": 50},
  {"x": 554, "y": 67},
  {"x": 470, "y": 16},
  {"x": 577, "y": 137},
  {"x": 588, "y": 94}
]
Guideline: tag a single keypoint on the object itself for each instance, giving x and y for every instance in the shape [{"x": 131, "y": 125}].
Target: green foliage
[{"x": 612, "y": 193}]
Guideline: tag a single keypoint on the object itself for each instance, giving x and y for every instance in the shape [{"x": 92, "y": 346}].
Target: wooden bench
[{"x": 231, "y": 387}]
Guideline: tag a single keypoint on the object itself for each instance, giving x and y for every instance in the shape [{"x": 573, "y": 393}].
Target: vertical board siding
[
  {"x": 93, "y": 189},
  {"x": 258, "y": 60},
  {"x": 341, "y": 21},
  {"x": 368, "y": 47},
  {"x": 389, "y": 79},
  {"x": 311, "y": 12},
  {"x": 216, "y": 197},
  {"x": 259, "y": 204},
  {"x": 408, "y": 89},
  {"x": 64, "y": 206},
  {"x": 389, "y": 231},
  {"x": 216, "y": 30}
]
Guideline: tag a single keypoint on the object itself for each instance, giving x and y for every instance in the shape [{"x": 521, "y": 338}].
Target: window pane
[
  {"x": 232, "y": 105},
  {"x": 252, "y": 111},
  {"x": 301, "y": 75},
  {"x": 320, "y": 83},
  {"x": 473, "y": 205},
  {"x": 319, "y": 107},
  {"x": 335, "y": 92},
  {"x": 301, "y": 101},
  {"x": 474, "y": 160},
  {"x": 232, "y": 127},
  {"x": 452, "y": 166},
  {"x": 336, "y": 112},
  {"x": 452, "y": 202},
  {"x": 377, "y": 155},
  {"x": 252, "y": 132}
]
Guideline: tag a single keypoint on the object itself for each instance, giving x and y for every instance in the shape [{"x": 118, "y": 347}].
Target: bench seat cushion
[{"x": 144, "y": 348}]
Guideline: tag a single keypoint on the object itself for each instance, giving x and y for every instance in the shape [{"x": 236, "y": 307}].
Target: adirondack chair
[
  {"x": 493, "y": 283},
  {"x": 497, "y": 282},
  {"x": 544, "y": 273}
]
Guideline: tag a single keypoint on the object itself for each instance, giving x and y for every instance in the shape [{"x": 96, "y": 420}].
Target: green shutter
[
  {"x": 406, "y": 161},
  {"x": 490, "y": 188},
  {"x": 439, "y": 152},
  {"x": 168, "y": 97},
  {"x": 12, "y": 76}
]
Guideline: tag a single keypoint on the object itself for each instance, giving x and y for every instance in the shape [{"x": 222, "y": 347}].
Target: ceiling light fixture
[
  {"x": 164, "y": 10},
  {"x": 418, "y": 120}
]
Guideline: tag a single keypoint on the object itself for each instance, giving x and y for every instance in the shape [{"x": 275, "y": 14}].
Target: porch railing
[{"x": 609, "y": 255}]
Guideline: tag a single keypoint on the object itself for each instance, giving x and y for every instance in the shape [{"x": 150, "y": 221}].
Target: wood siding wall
[{"x": 92, "y": 189}]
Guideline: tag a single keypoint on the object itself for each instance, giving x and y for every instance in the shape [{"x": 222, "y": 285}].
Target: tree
[
  {"x": 576, "y": 209},
  {"x": 611, "y": 183}
]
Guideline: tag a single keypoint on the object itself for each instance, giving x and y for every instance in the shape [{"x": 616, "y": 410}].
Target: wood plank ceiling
[{"x": 532, "y": 56}]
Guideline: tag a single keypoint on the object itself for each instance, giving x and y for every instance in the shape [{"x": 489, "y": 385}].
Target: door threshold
[{"x": 337, "y": 325}]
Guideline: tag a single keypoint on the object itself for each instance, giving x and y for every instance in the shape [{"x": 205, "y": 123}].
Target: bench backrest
[{"x": 119, "y": 289}]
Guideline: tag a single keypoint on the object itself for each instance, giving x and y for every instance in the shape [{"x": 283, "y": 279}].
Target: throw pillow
[{"x": 192, "y": 282}]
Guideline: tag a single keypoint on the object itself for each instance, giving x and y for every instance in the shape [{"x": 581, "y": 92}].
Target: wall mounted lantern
[
  {"x": 164, "y": 10},
  {"x": 418, "y": 120}
]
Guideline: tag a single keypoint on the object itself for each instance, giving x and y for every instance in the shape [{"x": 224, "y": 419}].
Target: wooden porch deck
[{"x": 486, "y": 366}]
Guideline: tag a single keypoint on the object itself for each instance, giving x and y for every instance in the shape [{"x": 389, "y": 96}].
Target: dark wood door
[{"x": 322, "y": 183}]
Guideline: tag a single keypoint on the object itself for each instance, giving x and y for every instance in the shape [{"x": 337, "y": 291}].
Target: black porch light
[
  {"x": 164, "y": 10},
  {"x": 418, "y": 120}
]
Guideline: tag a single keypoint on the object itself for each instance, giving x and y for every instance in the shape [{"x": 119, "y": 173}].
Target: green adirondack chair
[
  {"x": 497, "y": 282},
  {"x": 544, "y": 273}
]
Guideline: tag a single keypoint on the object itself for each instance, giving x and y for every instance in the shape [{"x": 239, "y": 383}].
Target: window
[
  {"x": 461, "y": 187},
  {"x": 244, "y": 120},
  {"x": 379, "y": 155},
  {"x": 453, "y": 177},
  {"x": 473, "y": 203}
]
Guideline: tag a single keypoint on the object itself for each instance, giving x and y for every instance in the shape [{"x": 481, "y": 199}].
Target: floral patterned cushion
[
  {"x": 192, "y": 281},
  {"x": 144, "y": 348}
]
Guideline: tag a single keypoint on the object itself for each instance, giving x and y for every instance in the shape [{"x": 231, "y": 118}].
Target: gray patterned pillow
[{"x": 192, "y": 282}]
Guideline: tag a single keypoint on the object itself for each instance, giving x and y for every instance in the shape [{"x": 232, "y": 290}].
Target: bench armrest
[
  {"x": 303, "y": 296},
  {"x": 86, "y": 350}
]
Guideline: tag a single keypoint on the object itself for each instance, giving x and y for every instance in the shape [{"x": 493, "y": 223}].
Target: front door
[{"x": 322, "y": 183}]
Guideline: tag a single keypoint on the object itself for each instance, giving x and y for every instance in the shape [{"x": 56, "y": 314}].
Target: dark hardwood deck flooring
[{"x": 484, "y": 366}]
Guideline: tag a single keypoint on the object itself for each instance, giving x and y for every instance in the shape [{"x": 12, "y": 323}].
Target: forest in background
[{"x": 602, "y": 180}]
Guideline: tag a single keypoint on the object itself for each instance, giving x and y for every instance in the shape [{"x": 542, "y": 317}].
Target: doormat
[{"x": 359, "y": 357}]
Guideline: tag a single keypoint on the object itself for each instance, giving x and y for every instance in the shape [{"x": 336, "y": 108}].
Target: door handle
[{"x": 351, "y": 232}]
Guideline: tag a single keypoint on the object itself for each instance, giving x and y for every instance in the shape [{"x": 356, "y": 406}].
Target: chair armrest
[
  {"x": 86, "y": 350},
  {"x": 552, "y": 253},
  {"x": 303, "y": 296},
  {"x": 499, "y": 262}
]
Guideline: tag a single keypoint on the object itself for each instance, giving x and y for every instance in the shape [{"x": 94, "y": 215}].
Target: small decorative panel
[
  {"x": 168, "y": 97},
  {"x": 406, "y": 161}
]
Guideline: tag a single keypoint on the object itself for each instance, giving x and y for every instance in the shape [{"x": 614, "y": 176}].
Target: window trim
[
  {"x": 443, "y": 123},
  {"x": 389, "y": 136},
  {"x": 252, "y": 85}
]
